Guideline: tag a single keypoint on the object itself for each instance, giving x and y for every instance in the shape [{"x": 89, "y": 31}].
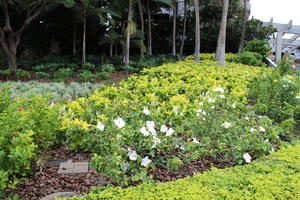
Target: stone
[
  {"x": 80, "y": 169},
  {"x": 60, "y": 195},
  {"x": 66, "y": 168}
]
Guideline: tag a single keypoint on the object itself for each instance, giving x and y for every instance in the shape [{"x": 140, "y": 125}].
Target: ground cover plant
[
  {"x": 57, "y": 92},
  {"x": 175, "y": 113},
  {"x": 273, "y": 177}
]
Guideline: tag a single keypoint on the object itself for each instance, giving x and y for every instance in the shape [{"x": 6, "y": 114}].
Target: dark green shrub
[
  {"x": 258, "y": 46},
  {"x": 22, "y": 73},
  {"x": 40, "y": 75},
  {"x": 86, "y": 75},
  {"x": 104, "y": 75},
  {"x": 108, "y": 68},
  {"x": 6, "y": 72},
  {"x": 89, "y": 66},
  {"x": 63, "y": 74},
  {"x": 251, "y": 58}
]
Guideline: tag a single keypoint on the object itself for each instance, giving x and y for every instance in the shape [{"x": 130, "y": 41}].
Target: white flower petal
[
  {"x": 145, "y": 161},
  {"x": 247, "y": 157}
]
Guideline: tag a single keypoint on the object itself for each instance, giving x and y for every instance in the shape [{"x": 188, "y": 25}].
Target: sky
[{"x": 282, "y": 11}]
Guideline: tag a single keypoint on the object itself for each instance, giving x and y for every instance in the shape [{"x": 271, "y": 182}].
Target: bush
[
  {"x": 5, "y": 73},
  {"x": 108, "y": 68},
  {"x": 57, "y": 92},
  {"x": 40, "y": 75},
  {"x": 275, "y": 96},
  {"x": 182, "y": 111},
  {"x": 22, "y": 74},
  {"x": 104, "y": 75},
  {"x": 28, "y": 127},
  {"x": 258, "y": 46},
  {"x": 274, "y": 177},
  {"x": 251, "y": 58},
  {"x": 86, "y": 75},
  {"x": 63, "y": 74}
]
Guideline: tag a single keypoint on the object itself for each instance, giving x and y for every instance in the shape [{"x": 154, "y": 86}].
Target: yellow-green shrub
[{"x": 274, "y": 177}]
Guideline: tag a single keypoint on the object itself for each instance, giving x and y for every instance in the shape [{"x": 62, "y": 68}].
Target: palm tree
[
  {"x": 220, "y": 52},
  {"x": 242, "y": 40},
  {"x": 174, "y": 29},
  {"x": 129, "y": 30},
  {"x": 197, "y": 31},
  {"x": 184, "y": 27}
]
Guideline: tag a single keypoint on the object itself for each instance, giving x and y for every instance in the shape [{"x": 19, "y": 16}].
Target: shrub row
[
  {"x": 274, "y": 177},
  {"x": 171, "y": 114}
]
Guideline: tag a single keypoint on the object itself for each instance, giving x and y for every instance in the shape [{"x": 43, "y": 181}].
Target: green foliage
[
  {"x": 41, "y": 75},
  {"x": 5, "y": 73},
  {"x": 285, "y": 66},
  {"x": 59, "y": 92},
  {"x": 274, "y": 177},
  {"x": 63, "y": 74},
  {"x": 104, "y": 75},
  {"x": 251, "y": 58},
  {"x": 108, "y": 68},
  {"x": 85, "y": 76},
  {"x": 174, "y": 112},
  {"x": 275, "y": 96},
  {"x": 258, "y": 46},
  {"x": 22, "y": 73},
  {"x": 28, "y": 127}
]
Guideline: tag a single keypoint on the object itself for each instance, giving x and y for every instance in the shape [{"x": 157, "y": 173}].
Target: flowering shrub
[
  {"x": 28, "y": 127},
  {"x": 273, "y": 177},
  {"x": 169, "y": 115}
]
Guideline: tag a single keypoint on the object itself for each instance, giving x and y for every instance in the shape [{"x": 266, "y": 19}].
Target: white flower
[
  {"x": 150, "y": 124},
  {"x": 213, "y": 107},
  {"x": 219, "y": 89},
  {"x": 52, "y": 104},
  {"x": 145, "y": 161},
  {"x": 297, "y": 97},
  {"x": 163, "y": 128},
  {"x": 195, "y": 140},
  {"x": 247, "y": 157},
  {"x": 156, "y": 140},
  {"x": 266, "y": 140},
  {"x": 175, "y": 110},
  {"x": 152, "y": 131},
  {"x": 119, "y": 122},
  {"x": 222, "y": 96},
  {"x": 247, "y": 118},
  {"x": 144, "y": 131},
  {"x": 170, "y": 132},
  {"x": 211, "y": 100},
  {"x": 125, "y": 167},
  {"x": 199, "y": 111},
  {"x": 100, "y": 126},
  {"x": 201, "y": 103},
  {"x": 146, "y": 111},
  {"x": 252, "y": 130},
  {"x": 204, "y": 119},
  {"x": 234, "y": 105},
  {"x": 227, "y": 125},
  {"x": 132, "y": 155},
  {"x": 181, "y": 114},
  {"x": 262, "y": 129}
]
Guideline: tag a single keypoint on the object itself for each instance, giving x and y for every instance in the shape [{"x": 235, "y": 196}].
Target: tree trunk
[
  {"x": 174, "y": 30},
  {"x": 74, "y": 39},
  {"x": 197, "y": 32},
  {"x": 149, "y": 49},
  {"x": 184, "y": 27},
  {"x": 127, "y": 49},
  {"x": 12, "y": 59},
  {"x": 242, "y": 40},
  {"x": 84, "y": 37},
  {"x": 142, "y": 27},
  {"x": 111, "y": 45},
  {"x": 220, "y": 52}
]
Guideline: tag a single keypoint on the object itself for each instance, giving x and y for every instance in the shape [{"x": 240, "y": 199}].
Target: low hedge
[{"x": 276, "y": 176}]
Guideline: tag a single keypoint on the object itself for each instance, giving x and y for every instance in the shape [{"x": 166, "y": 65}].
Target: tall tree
[
  {"x": 149, "y": 44},
  {"x": 197, "y": 31},
  {"x": 242, "y": 39},
  {"x": 10, "y": 37},
  {"x": 184, "y": 27},
  {"x": 220, "y": 52},
  {"x": 142, "y": 22},
  {"x": 174, "y": 28},
  {"x": 128, "y": 33}
]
